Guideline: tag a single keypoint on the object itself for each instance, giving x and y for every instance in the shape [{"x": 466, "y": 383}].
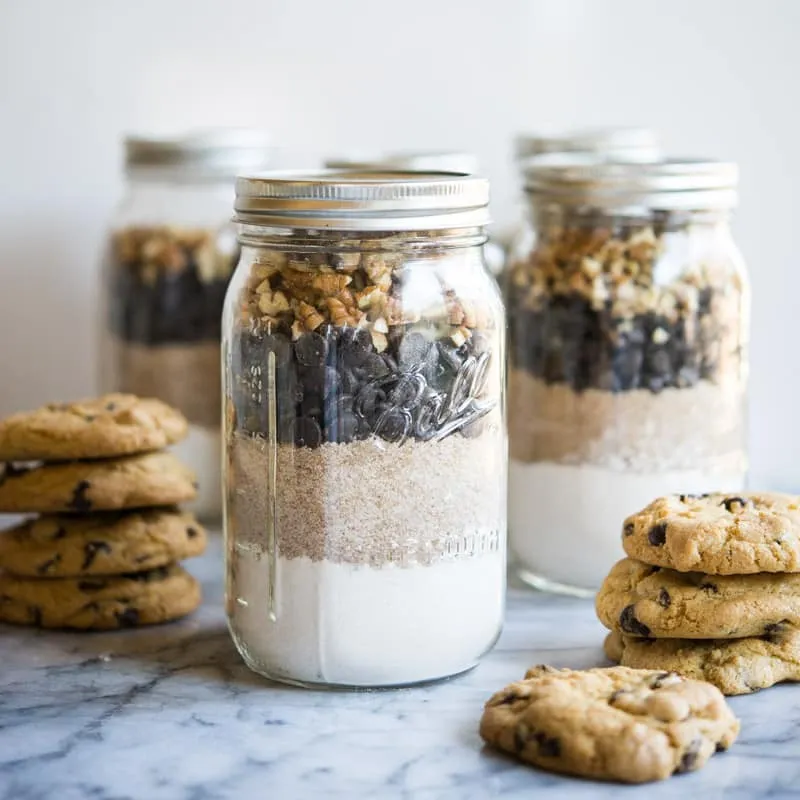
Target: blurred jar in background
[
  {"x": 628, "y": 145},
  {"x": 422, "y": 161},
  {"x": 628, "y": 332},
  {"x": 171, "y": 252}
]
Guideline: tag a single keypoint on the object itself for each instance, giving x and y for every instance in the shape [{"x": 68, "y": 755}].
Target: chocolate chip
[
  {"x": 664, "y": 600},
  {"x": 520, "y": 740},
  {"x": 90, "y": 417},
  {"x": 46, "y": 566},
  {"x": 91, "y": 549},
  {"x": 507, "y": 699},
  {"x": 629, "y": 624},
  {"x": 689, "y": 758},
  {"x": 775, "y": 629},
  {"x": 709, "y": 587},
  {"x": 720, "y": 747},
  {"x": 192, "y": 532},
  {"x": 311, "y": 350},
  {"x": 628, "y": 529},
  {"x": 684, "y": 498},
  {"x": 355, "y": 345},
  {"x": 128, "y": 618},
  {"x": 413, "y": 351},
  {"x": 59, "y": 533},
  {"x": 36, "y": 615},
  {"x": 80, "y": 502},
  {"x": 92, "y": 586},
  {"x": 658, "y": 680},
  {"x": 10, "y": 470},
  {"x": 111, "y": 406},
  {"x": 549, "y": 746},
  {"x": 150, "y": 575},
  {"x": 305, "y": 432},
  {"x": 657, "y": 535},
  {"x": 730, "y": 502}
]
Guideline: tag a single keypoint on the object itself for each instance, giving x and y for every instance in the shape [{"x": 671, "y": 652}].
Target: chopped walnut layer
[
  {"x": 153, "y": 250},
  {"x": 301, "y": 292},
  {"x": 628, "y": 273}
]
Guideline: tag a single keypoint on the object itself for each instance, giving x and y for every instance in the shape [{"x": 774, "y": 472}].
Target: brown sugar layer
[
  {"x": 185, "y": 375},
  {"x": 698, "y": 427},
  {"x": 374, "y": 502}
]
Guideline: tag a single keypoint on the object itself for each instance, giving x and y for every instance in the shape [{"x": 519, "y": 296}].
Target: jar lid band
[
  {"x": 363, "y": 200},
  {"x": 221, "y": 153},
  {"x": 416, "y": 161},
  {"x": 627, "y": 144},
  {"x": 679, "y": 184}
]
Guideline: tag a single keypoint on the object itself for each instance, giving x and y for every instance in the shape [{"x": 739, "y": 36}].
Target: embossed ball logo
[{"x": 409, "y": 406}]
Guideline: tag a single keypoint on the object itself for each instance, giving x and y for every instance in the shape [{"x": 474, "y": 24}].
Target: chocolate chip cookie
[
  {"x": 719, "y": 534},
  {"x": 612, "y": 724},
  {"x": 153, "y": 479},
  {"x": 98, "y": 603},
  {"x": 106, "y": 427},
  {"x": 106, "y": 543},
  {"x": 641, "y": 600},
  {"x": 734, "y": 666}
]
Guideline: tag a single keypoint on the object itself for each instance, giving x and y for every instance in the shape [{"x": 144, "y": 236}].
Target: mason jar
[
  {"x": 363, "y": 375},
  {"x": 170, "y": 254},
  {"x": 628, "y": 333}
]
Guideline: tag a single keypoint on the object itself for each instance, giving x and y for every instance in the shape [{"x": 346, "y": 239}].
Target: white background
[{"x": 715, "y": 77}]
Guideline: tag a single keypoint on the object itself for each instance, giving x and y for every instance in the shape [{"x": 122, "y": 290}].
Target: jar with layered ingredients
[
  {"x": 365, "y": 438},
  {"x": 171, "y": 252},
  {"x": 628, "y": 331}
]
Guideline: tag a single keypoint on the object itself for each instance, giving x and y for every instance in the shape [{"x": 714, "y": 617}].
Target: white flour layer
[
  {"x": 361, "y": 626},
  {"x": 565, "y": 522}
]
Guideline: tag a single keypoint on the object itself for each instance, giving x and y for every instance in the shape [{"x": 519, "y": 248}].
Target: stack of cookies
[
  {"x": 711, "y": 590},
  {"x": 103, "y": 551}
]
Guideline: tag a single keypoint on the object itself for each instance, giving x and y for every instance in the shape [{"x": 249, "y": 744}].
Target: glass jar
[
  {"x": 363, "y": 374},
  {"x": 628, "y": 331},
  {"x": 171, "y": 252},
  {"x": 425, "y": 161}
]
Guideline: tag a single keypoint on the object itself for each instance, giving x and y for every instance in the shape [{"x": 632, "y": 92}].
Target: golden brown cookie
[
  {"x": 613, "y": 724},
  {"x": 719, "y": 534},
  {"x": 106, "y": 543},
  {"x": 99, "y": 603},
  {"x": 153, "y": 479},
  {"x": 734, "y": 666},
  {"x": 105, "y": 427},
  {"x": 641, "y": 600}
]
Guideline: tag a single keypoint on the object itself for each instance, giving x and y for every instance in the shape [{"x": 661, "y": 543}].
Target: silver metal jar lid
[
  {"x": 218, "y": 153},
  {"x": 363, "y": 200},
  {"x": 626, "y": 144},
  {"x": 416, "y": 161},
  {"x": 670, "y": 184}
]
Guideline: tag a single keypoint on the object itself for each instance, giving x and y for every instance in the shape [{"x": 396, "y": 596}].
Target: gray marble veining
[{"x": 171, "y": 713}]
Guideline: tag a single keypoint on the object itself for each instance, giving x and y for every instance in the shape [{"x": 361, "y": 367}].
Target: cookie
[
  {"x": 106, "y": 543},
  {"x": 98, "y": 603},
  {"x": 641, "y": 600},
  {"x": 107, "y": 427},
  {"x": 734, "y": 666},
  {"x": 153, "y": 479},
  {"x": 612, "y": 724},
  {"x": 719, "y": 534}
]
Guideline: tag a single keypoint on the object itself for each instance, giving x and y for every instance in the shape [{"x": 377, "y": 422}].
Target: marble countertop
[{"x": 171, "y": 713}]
